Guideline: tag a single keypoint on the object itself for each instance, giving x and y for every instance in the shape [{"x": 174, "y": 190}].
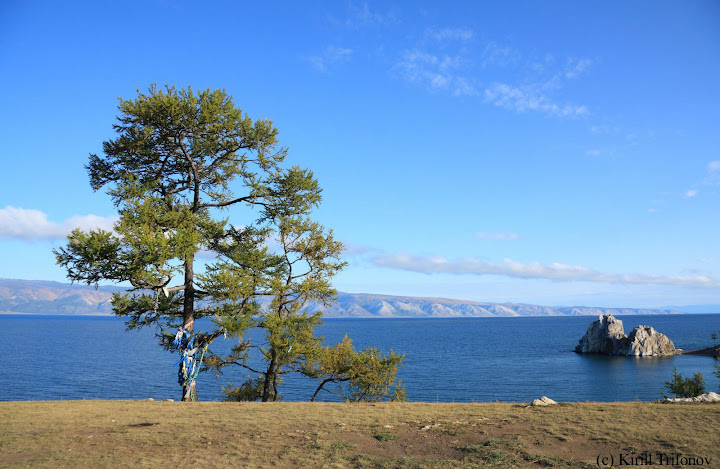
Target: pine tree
[{"x": 173, "y": 168}]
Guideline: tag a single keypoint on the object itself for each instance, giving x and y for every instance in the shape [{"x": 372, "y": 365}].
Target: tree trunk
[
  {"x": 269, "y": 378},
  {"x": 319, "y": 388},
  {"x": 189, "y": 391}
]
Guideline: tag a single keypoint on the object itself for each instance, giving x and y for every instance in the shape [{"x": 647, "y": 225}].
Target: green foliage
[
  {"x": 177, "y": 160},
  {"x": 685, "y": 387},
  {"x": 289, "y": 282},
  {"x": 385, "y": 436},
  {"x": 367, "y": 375},
  {"x": 176, "y": 164},
  {"x": 250, "y": 390},
  {"x": 282, "y": 282}
]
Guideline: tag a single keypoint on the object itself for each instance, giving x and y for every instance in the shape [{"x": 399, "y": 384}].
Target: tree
[
  {"x": 685, "y": 387},
  {"x": 357, "y": 376},
  {"x": 714, "y": 337},
  {"x": 284, "y": 281},
  {"x": 169, "y": 173}
]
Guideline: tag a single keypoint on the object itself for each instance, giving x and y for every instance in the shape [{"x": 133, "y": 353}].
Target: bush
[{"x": 685, "y": 387}]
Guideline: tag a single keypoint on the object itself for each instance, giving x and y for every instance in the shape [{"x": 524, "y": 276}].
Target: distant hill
[
  {"x": 46, "y": 297},
  {"x": 696, "y": 309},
  {"x": 370, "y": 305}
]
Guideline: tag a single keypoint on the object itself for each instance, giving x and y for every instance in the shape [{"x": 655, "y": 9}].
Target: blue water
[{"x": 460, "y": 360}]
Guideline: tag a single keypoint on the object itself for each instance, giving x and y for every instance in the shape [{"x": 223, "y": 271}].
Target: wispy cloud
[
  {"x": 534, "y": 270},
  {"x": 691, "y": 193},
  {"x": 498, "y": 236},
  {"x": 451, "y": 60},
  {"x": 436, "y": 72},
  {"x": 502, "y": 55},
  {"x": 33, "y": 225},
  {"x": 330, "y": 56},
  {"x": 531, "y": 97},
  {"x": 602, "y": 129},
  {"x": 352, "y": 249},
  {"x": 714, "y": 166},
  {"x": 535, "y": 93},
  {"x": 360, "y": 15},
  {"x": 449, "y": 34},
  {"x": 576, "y": 67}
]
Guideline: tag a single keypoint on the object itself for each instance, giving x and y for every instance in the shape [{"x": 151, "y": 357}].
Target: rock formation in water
[
  {"x": 606, "y": 336},
  {"x": 644, "y": 340},
  {"x": 603, "y": 336}
]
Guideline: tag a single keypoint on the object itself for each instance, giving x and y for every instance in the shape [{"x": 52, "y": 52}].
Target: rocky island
[{"x": 606, "y": 336}]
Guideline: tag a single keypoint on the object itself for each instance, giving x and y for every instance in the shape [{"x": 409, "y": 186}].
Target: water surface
[{"x": 460, "y": 360}]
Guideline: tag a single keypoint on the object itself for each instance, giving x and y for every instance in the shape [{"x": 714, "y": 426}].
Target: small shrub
[
  {"x": 385, "y": 437},
  {"x": 685, "y": 387}
]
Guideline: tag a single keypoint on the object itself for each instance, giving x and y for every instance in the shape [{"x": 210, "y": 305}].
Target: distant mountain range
[{"x": 46, "y": 297}]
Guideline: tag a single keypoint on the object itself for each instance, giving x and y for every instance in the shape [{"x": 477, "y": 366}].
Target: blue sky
[{"x": 559, "y": 153}]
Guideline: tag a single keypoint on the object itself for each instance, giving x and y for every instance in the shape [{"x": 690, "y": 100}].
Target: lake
[{"x": 447, "y": 360}]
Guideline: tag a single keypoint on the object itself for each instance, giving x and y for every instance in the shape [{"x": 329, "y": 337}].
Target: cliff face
[
  {"x": 644, "y": 340},
  {"x": 603, "y": 336},
  {"x": 606, "y": 336}
]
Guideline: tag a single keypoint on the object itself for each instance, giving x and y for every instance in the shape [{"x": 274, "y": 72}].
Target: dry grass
[{"x": 219, "y": 434}]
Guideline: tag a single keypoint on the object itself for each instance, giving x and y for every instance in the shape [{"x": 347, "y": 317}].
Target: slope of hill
[
  {"x": 696, "y": 309},
  {"x": 45, "y": 297},
  {"x": 369, "y": 305}
]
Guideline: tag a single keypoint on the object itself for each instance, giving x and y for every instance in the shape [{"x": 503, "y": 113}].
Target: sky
[{"x": 555, "y": 152}]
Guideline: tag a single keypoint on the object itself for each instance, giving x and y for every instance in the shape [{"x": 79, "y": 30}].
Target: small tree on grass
[
  {"x": 282, "y": 281},
  {"x": 367, "y": 375},
  {"x": 685, "y": 387},
  {"x": 290, "y": 282}
]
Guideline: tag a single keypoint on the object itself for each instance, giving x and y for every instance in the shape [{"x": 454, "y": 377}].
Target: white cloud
[
  {"x": 529, "y": 98},
  {"x": 498, "y": 236},
  {"x": 501, "y": 55},
  {"x": 450, "y": 34},
  {"x": 576, "y": 67},
  {"x": 330, "y": 56},
  {"x": 714, "y": 166},
  {"x": 691, "y": 193},
  {"x": 446, "y": 63},
  {"x": 437, "y": 72},
  {"x": 534, "y": 270},
  {"x": 360, "y": 15},
  {"x": 351, "y": 249},
  {"x": 593, "y": 152},
  {"x": 33, "y": 225}
]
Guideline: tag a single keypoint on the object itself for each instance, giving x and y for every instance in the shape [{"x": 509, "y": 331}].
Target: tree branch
[{"x": 247, "y": 198}]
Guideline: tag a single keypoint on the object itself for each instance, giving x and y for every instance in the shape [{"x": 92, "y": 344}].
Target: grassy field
[{"x": 386, "y": 435}]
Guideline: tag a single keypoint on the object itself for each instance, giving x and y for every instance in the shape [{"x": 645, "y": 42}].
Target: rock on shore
[
  {"x": 707, "y": 397},
  {"x": 606, "y": 336}
]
